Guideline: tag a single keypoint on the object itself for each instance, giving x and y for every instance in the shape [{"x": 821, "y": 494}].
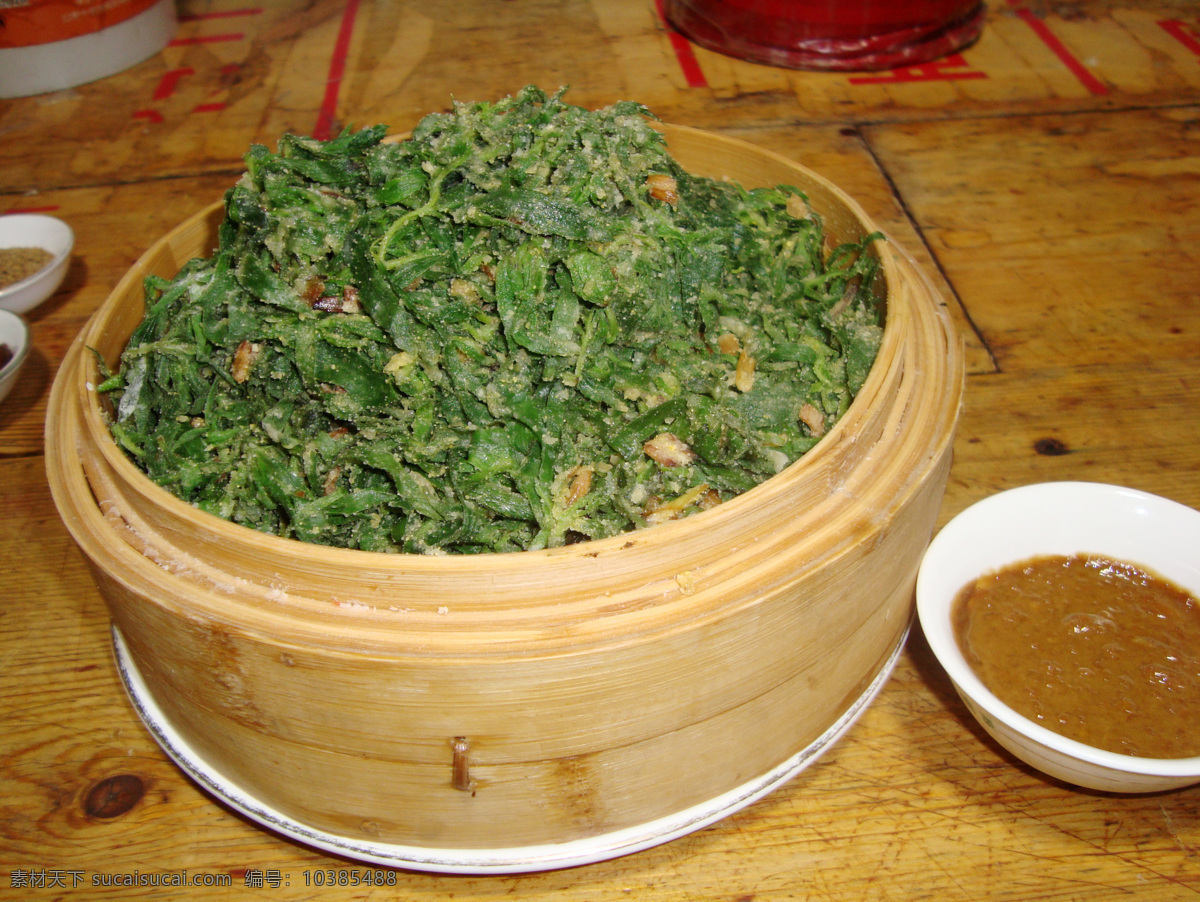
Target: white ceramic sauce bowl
[
  {"x": 15, "y": 334},
  {"x": 1057, "y": 518},
  {"x": 35, "y": 230}
]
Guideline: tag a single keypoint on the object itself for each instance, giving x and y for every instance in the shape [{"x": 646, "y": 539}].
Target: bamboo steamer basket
[{"x": 511, "y": 712}]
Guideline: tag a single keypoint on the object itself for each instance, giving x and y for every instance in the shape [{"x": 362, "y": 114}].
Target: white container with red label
[{"x": 49, "y": 45}]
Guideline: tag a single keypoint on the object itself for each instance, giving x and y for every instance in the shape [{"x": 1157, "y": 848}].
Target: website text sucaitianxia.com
[{"x": 36, "y": 878}]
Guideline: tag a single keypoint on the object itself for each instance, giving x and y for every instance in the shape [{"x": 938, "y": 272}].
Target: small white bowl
[
  {"x": 15, "y": 334},
  {"x": 1057, "y": 518},
  {"x": 36, "y": 230}
]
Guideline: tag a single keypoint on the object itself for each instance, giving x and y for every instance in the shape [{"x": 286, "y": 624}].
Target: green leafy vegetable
[{"x": 525, "y": 326}]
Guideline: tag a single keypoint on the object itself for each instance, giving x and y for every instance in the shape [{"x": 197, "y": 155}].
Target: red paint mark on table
[
  {"x": 206, "y": 39},
  {"x": 327, "y": 114},
  {"x": 949, "y": 68},
  {"x": 1059, "y": 49},
  {"x": 1181, "y": 32},
  {"x": 685, "y": 54},
  {"x": 221, "y": 14},
  {"x": 215, "y": 106},
  {"x": 170, "y": 81},
  {"x": 48, "y": 208}
]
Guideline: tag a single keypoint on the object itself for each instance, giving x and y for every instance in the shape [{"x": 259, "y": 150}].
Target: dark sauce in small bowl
[{"x": 1098, "y": 650}]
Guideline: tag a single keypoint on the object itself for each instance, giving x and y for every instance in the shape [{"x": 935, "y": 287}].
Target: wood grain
[
  {"x": 1076, "y": 292},
  {"x": 1080, "y": 243}
]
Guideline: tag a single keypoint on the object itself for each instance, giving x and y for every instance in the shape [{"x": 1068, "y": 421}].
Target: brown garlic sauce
[{"x": 1095, "y": 649}]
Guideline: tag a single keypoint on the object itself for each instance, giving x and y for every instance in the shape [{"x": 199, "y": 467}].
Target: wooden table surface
[{"x": 1047, "y": 177}]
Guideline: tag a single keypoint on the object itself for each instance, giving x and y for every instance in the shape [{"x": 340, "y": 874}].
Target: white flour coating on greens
[{"x": 523, "y": 327}]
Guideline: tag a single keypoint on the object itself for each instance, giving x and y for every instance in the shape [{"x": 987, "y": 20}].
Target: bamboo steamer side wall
[
  {"x": 597, "y": 687},
  {"x": 590, "y": 743}
]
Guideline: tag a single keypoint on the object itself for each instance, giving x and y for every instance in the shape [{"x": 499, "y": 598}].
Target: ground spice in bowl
[{"x": 19, "y": 263}]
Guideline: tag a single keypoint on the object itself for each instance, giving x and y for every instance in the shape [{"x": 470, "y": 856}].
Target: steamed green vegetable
[{"x": 524, "y": 326}]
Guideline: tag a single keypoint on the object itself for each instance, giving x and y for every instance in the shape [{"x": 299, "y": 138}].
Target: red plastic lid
[{"x": 863, "y": 35}]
